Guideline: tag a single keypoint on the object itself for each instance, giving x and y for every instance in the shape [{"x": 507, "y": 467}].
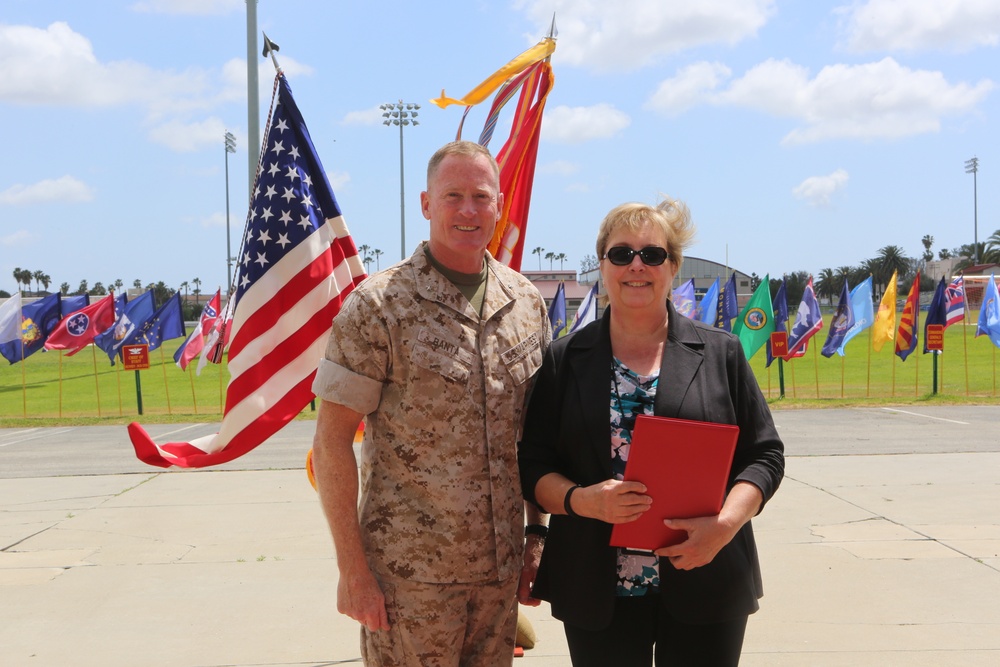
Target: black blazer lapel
[{"x": 682, "y": 357}]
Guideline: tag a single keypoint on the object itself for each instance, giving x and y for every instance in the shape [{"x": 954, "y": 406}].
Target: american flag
[
  {"x": 296, "y": 265},
  {"x": 954, "y": 299}
]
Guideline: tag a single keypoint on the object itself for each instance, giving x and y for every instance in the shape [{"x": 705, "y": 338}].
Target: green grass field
[{"x": 68, "y": 390}]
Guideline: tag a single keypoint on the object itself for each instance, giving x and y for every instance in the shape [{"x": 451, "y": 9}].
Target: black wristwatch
[{"x": 536, "y": 529}]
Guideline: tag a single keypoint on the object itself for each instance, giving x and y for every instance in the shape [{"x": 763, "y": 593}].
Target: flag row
[
  {"x": 855, "y": 312},
  {"x": 70, "y": 323}
]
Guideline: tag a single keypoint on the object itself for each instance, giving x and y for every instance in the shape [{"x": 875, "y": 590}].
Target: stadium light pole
[
  {"x": 972, "y": 167},
  {"x": 230, "y": 148},
  {"x": 400, "y": 114}
]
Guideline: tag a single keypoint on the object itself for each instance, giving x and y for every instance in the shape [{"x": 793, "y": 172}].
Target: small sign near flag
[
  {"x": 935, "y": 337},
  {"x": 135, "y": 357},
  {"x": 779, "y": 344}
]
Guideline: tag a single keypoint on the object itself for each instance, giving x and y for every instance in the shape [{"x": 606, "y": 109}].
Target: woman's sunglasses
[{"x": 650, "y": 255}]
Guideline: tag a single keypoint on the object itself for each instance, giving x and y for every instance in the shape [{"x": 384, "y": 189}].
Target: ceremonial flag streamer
[{"x": 296, "y": 264}]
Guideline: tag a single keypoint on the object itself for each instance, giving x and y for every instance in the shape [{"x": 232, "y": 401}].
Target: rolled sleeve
[{"x": 340, "y": 385}]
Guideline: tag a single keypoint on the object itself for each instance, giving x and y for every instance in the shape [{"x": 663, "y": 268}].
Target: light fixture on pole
[
  {"x": 400, "y": 114},
  {"x": 972, "y": 167},
  {"x": 230, "y": 148}
]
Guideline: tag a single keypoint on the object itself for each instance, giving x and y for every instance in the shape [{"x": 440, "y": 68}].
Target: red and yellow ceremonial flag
[
  {"x": 906, "y": 337},
  {"x": 531, "y": 74},
  {"x": 885, "y": 319}
]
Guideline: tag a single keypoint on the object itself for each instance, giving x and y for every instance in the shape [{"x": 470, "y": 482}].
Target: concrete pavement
[{"x": 882, "y": 547}]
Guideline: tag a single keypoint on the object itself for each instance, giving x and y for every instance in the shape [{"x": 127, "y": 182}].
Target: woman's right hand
[{"x": 612, "y": 501}]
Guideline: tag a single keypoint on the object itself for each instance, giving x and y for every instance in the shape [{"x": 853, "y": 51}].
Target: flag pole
[
  {"x": 166, "y": 385},
  {"x": 868, "y": 386},
  {"x": 816, "y": 368},
  {"x": 965, "y": 349},
  {"x": 916, "y": 382},
  {"x": 60, "y": 383},
  {"x": 222, "y": 401},
  {"x": 194, "y": 399},
  {"x": 24, "y": 386},
  {"x": 842, "y": 371},
  {"x": 97, "y": 383},
  {"x": 894, "y": 375},
  {"x": 118, "y": 377},
  {"x": 795, "y": 393}
]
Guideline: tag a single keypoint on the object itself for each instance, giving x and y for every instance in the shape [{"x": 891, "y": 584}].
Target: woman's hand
[
  {"x": 612, "y": 501},
  {"x": 707, "y": 535}
]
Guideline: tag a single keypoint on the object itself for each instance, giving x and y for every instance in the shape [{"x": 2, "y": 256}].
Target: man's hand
[
  {"x": 532, "y": 557},
  {"x": 360, "y": 597}
]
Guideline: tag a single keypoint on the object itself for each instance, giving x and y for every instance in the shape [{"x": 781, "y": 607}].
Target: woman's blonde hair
[{"x": 670, "y": 215}]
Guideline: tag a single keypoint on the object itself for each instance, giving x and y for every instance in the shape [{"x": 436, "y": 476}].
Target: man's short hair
[{"x": 468, "y": 149}]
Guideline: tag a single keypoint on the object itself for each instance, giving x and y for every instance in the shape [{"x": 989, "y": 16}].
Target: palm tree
[
  {"x": 46, "y": 281},
  {"x": 562, "y": 258},
  {"x": 550, "y": 256},
  {"x": 892, "y": 259},
  {"x": 928, "y": 241},
  {"x": 64, "y": 288},
  {"x": 37, "y": 275},
  {"x": 538, "y": 251},
  {"x": 119, "y": 284},
  {"x": 197, "y": 288},
  {"x": 992, "y": 253},
  {"x": 137, "y": 283},
  {"x": 826, "y": 284},
  {"x": 184, "y": 286},
  {"x": 378, "y": 253}
]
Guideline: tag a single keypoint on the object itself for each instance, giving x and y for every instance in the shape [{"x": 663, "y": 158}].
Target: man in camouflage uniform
[{"x": 438, "y": 353}]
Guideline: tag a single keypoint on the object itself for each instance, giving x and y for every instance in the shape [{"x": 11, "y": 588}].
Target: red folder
[{"x": 685, "y": 466}]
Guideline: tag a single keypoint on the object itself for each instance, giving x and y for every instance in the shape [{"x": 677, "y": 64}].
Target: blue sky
[{"x": 802, "y": 135}]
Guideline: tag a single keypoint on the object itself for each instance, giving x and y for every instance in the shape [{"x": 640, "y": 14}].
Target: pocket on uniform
[
  {"x": 524, "y": 359},
  {"x": 440, "y": 363}
]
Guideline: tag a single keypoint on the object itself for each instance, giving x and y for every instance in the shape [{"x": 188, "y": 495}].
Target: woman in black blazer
[{"x": 691, "y": 600}]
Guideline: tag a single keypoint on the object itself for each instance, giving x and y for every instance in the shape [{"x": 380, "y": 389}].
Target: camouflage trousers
[{"x": 444, "y": 625}]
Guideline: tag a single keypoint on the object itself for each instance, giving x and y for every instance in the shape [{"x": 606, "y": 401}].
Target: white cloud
[
  {"x": 819, "y": 190},
  {"x": 17, "y": 238},
  {"x": 214, "y": 221},
  {"x": 879, "y": 100},
  {"x": 65, "y": 189},
  {"x": 338, "y": 180},
  {"x": 192, "y": 7},
  {"x": 371, "y": 116},
  {"x": 559, "y": 168},
  {"x": 957, "y": 25},
  {"x": 188, "y": 137},
  {"x": 628, "y": 34},
  {"x": 574, "y": 125},
  {"x": 693, "y": 85},
  {"x": 57, "y": 66}
]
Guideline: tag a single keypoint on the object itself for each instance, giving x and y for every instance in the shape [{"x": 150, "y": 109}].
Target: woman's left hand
[
  {"x": 705, "y": 538},
  {"x": 707, "y": 535}
]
